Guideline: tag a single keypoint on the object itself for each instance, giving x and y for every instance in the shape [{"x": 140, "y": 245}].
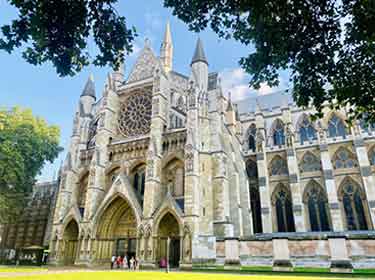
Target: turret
[
  {"x": 87, "y": 98},
  {"x": 166, "y": 50},
  {"x": 199, "y": 67}
]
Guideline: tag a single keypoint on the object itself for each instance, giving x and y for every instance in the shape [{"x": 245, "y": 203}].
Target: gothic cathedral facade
[{"x": 164, "y": 165}]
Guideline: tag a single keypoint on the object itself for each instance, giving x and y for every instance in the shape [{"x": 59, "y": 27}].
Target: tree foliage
[
  {"x": 327, "y": 45},
  {"x": 26, "y": 143},
  {"x": 58, "y": 32}
]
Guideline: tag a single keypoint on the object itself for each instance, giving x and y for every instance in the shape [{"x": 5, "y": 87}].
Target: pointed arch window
[
  {"x": 278, "y": 166},
  {"x": 282, "y": 202},
  {"x": 310, "y": 163},
  {"x": 354, "y": 202},
  {"x": 306, "y": 130},
  {"x": 336, "y": 127},
  {"x": 251, "y": 137},
  {"x": 343, "y": 158},
  {"x": 139, "y": 179},
  {"x": 278, "y": 133},
  {"x": 82, "y": 193},
  {"x": 317, "y": 205},
  {"x": 252, "y": 173}
]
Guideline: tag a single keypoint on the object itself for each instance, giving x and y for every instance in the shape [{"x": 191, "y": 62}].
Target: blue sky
[{"x": 56, "y": 99}]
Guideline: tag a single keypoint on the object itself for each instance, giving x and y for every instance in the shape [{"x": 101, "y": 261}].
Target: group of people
[{"x": 123, "y": 262}]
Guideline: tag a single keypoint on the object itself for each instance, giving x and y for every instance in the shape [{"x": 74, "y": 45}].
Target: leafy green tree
[
  {"x": 58, "y": 32},
  {"x": 328, "y": 46},
  {"x": 26, "y": 143}
]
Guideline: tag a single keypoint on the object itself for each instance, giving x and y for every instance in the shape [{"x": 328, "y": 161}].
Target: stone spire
[
  {"x": 166, "y": 50},
  {"x": 199, "y": 53},
  {"x": 89, "y": 89}
]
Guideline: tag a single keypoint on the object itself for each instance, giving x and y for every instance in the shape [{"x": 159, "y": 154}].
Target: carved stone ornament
[
  {"x": 135, "y": 115},
  {"x": 189, "y": 164}
]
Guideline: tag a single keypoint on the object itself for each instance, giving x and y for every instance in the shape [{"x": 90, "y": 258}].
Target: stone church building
[{"x": 165, "y": 165}]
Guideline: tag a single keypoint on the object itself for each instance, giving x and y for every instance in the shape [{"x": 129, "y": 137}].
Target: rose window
[{"x": 135, "y": 115}]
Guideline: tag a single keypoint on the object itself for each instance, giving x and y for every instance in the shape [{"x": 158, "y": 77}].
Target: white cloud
[{"x": 237, "y": 80}]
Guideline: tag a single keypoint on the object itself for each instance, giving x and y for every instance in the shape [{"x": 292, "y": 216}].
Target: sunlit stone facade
[{"x": 165, "y": 161}]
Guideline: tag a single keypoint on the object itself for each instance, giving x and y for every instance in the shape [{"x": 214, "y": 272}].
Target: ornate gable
[{"x": 144, "y": 66}]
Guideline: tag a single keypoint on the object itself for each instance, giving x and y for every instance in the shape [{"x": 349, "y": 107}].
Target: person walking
[
  {"x": 113, "y": 260},
  {"x": 132, "y": 263},
  {"x": 125, "y": 262}
]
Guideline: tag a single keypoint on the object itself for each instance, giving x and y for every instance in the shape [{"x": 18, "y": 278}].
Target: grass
[
  {"x": 21, "y": 268},
  {"x": 121, "y": 275}
]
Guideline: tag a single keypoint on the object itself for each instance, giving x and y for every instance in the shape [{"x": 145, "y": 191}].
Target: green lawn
[
  {"x": 122, "y": 275},
  {"x": 21, "y": 269}
]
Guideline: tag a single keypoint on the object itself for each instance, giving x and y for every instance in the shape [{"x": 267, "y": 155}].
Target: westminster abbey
[{"x": 165, "y": 165}]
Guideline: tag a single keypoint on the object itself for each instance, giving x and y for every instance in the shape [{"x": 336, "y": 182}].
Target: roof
[
  {"x": 199, "y": 53},
  {"x": 267, "y": 102}
]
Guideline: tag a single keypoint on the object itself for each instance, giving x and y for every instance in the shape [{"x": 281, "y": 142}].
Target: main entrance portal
[
  {"x": 117, "y": 231},
  {"x": 169, "y": 228},
  {"x": 70, "y": 242}
]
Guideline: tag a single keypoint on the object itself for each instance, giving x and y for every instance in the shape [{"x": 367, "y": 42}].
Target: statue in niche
[
  {"x": 289, "y": 135},
  {"x": 187, "y": 246},
  {"x": 259, "y": 140},
  {"x": 321, "y": 131}
]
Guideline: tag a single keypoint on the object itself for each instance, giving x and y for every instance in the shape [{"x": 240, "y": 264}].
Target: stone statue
[
  {"x": 289, "y": 135},
  {"x": 259, "y": 141}
]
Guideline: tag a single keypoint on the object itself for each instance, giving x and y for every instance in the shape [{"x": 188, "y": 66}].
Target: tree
[
  {"x": 327, "y": 45},
  {"x": 26, "y": 143},
  {"x": 58, "y": 32}
]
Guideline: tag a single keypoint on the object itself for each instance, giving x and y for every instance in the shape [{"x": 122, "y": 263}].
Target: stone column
[
  {"x": 367, "y": 177},
  {"x": 153, "y": 189},
  {"x": 264, "y": 186},
  {"x": 295, "y": 188}
]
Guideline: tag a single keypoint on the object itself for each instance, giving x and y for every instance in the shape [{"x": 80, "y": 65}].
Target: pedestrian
[
  {"x": 125, "y": 263},
  {"x": 132, "y": 263},
  {"x": 137, "y": 264},
  {"x": 113, "y": 260},
  {"x": 118, "y": 261}
]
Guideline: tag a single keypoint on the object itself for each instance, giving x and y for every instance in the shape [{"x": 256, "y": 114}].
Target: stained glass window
[
  {"x": 278, "y": 166},
  {"x": 344, "y": 159},
  {"x": 135, "y": 115},
  {"x": 306, "y": 131},
  {"x": 310, "y": 163},
  {"x": 284, "y": 209},
  {"x": 82, "y": 192},
  {"x": 252, "y": 173},
  {"x": 139, "y": 180},
  {"x": 353, "y": 202},
  {"x": 317, "y": 205},
  {"x": 336, "y": 127},
  {"x": 278, "y": 134}
]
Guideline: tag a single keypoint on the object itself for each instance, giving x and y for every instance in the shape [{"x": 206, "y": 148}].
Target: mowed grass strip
[
  {"x": 123, "y": 275},
  {"x": 21, "y": 268}
]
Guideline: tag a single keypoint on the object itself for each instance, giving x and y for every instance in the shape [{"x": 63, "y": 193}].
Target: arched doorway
[
  {"x": 117, "y": 231},
  {"x": 169, "y": 232},
  {"x": 70, "y": 238}
]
